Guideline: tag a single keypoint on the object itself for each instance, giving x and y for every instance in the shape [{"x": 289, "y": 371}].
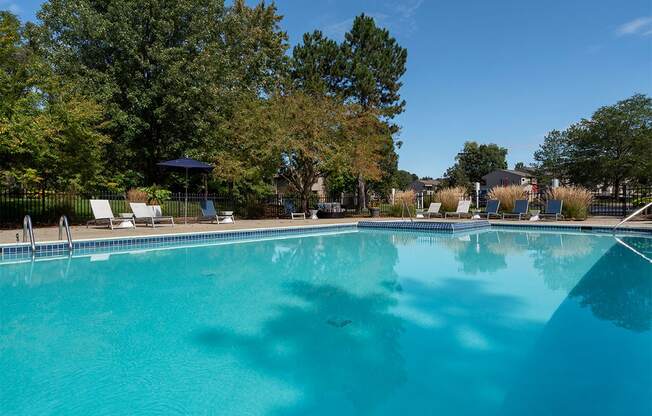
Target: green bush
[
  {"x": 156, "y": 194},
  {"x": 639, "y": 202}
]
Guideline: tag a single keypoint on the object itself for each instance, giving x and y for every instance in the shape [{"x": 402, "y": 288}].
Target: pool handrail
[
  {"x": 28, "y": 230},
  {"x": 638, "y": 211},
  {"x": 63, "y": 224}
]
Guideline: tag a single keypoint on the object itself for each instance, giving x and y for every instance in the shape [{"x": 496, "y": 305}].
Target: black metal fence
[
  {"x": 603, "y": 203},
  {"x": 45, "y": 207}
]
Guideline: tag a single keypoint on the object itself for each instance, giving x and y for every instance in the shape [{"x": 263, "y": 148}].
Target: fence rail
[
  {"x": 603, "y": 204},
  {"x": 45, "y": 207}
]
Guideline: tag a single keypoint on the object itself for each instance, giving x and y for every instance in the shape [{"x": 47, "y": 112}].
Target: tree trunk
[
  {"x": 616, "y": 188},
  {"x": 362, "y": 194}
]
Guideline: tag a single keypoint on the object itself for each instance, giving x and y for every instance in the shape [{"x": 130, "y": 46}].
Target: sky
[{"x": 499, "y": 71}]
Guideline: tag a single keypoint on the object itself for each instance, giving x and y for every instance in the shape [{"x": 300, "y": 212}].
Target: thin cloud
[
  {"x": 639, "y": 26},
  {"x": 407, "y": 10},
  {"x": 12, "y": 7},
  {"x": 338, "y": 29},
  {"x": 399, "y": 18}
]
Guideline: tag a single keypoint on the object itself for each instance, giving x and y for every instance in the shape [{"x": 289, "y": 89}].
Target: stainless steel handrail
[
  {"x": 63, "y": 224},
  {"x": 405, "y": 207},
  {"x": 29, "y": 231},
  {"x": 638, "y": 211}
]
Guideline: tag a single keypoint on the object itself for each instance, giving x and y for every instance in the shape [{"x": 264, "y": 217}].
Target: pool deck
[{"x": 45, "y": 234}]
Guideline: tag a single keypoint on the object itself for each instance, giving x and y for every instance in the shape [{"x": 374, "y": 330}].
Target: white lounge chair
[
  {"x": 462, "y": 209},
  {"x": 433, "y": 209},
  {"x": 102, "y": 213},
  {"x": 146, "y": 214}
]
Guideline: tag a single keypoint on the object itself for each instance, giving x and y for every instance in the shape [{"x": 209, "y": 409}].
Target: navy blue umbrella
[{"x": 187, "y": 164}]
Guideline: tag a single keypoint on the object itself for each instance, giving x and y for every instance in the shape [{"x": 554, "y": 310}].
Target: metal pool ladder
[
  {"x": 29, "y": 231},
  {"x": 404, "y": 207},
  {"x": 638, "y": 211},
  {"x": 63, "y": 224}
]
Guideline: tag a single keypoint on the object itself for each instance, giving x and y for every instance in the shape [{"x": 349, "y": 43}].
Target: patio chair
[
  {"x": 146, "y": 214},
  {"x": 208, "y": 213},
  {"x": 520, "y": 209},
  {"x": 492, "y": 209},
  {"x": 433, "y": 210},
  {"x": 102, "y": 213},
  {"x": 553, "y": 209},
  {"x": 289, "y": 210},
  {"x": 462, "y": 209}
]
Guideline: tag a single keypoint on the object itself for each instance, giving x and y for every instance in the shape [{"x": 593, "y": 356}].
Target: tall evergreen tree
[
  {"x": 375, "y": 63},
  {"x": 364, "y": 70},
  {"x": 318, "y": 65}
]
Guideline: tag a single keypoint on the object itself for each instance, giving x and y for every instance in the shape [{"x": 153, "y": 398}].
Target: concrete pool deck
[{"x": 80, "y": 232}]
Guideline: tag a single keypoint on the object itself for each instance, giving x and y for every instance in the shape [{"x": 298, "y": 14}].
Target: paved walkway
[{"x": 43, "y": 234}]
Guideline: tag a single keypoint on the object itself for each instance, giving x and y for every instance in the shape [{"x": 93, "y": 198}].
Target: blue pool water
[{"x": 360, "y": 322}]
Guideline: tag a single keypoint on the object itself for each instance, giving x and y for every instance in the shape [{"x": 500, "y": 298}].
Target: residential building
[{"x": 425, "y": 186}]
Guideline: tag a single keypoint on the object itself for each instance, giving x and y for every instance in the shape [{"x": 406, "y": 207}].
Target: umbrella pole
[{"x": 185, "y": 210}]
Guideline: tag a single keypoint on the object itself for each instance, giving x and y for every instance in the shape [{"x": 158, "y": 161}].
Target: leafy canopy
[
  {"x": 474, "y": 161},
  {"x": 614, "y": 146},
  {"x": 50, "y": 135}
]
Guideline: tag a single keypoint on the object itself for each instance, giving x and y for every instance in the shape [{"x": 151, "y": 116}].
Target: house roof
[
  {"x": 432, "y": 182},
  {"x": 513, "y": 172}
]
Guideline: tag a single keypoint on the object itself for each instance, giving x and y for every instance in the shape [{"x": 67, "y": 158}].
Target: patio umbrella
[{"x": 187, "y": 164}]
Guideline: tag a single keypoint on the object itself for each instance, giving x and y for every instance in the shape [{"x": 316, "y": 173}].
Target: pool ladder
[
  {"x": 63, "y": 225},
  {"x": 28, "y": 232},
  {"x": 404, "y": 207}
]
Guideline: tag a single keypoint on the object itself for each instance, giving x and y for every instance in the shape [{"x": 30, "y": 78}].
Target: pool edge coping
[{"x": 12, "y": 249}]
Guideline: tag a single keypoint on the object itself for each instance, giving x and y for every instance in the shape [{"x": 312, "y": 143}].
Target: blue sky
[{"x": 496, "y": 71}]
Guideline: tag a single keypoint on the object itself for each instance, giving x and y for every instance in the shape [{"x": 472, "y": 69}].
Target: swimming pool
[{"x": 351, "y": 321}]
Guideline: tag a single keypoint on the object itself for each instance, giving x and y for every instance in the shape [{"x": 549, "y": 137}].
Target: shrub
[
  {"x": 507, "y": 195},
  {"x": 395, "y": 210},
  {"x": 639, "y": 202},
  {"x": 136, "y": 195},
  {"x": 577, "y": 200},
  {"x": 449, "y": 197},
  {"x": 409, "y": 197},
  {"x": 156, "y": 194}
]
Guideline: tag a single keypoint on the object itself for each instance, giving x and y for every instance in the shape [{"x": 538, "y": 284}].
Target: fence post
[{"x": 624, "y": 204}]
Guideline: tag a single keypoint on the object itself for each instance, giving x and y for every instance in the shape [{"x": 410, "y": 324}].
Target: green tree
[
  {"x": 403, "y": 179},
  {"x": 50, "y": 136},
  {"x": 374, "y": 65},
  {"x": 300, "y": 136},
  {"x": 552, "y": 157},
  {"x": 474, "y": 161},
  {"x": 364, "y": 70},
  {"x": 318, "y": 65},
  {"x": 168, "y": 72},
  {"x": 613, "y": 146}
]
